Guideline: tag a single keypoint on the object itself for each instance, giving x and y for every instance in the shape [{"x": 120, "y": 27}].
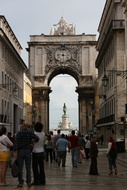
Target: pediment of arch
[{"x": 64, "y": 59}]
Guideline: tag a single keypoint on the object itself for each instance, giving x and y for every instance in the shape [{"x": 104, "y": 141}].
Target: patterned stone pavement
[{"x": 69, "y": 178}]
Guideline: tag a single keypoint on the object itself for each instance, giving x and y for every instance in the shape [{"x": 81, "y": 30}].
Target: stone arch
[
  {"x": 60, "y": 70},
  {"x": 71, "y": 54}
]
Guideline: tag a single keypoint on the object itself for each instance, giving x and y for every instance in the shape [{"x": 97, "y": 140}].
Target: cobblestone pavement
[{"x": 69, "y": 178}]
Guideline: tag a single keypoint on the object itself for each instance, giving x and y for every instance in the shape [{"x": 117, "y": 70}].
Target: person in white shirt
[
  {"x": 5, "y": 144},
  {"x": 38, "y": 156},
  {"x": 87, "y": 147}
]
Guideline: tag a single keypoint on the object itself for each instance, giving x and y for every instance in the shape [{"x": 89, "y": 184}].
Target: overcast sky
[{"x": 33, "y": 17}]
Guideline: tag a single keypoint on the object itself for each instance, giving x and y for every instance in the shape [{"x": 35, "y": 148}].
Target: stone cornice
[
  {"x": 124, "y": 4},
  {"x": 6, "y": 29}
]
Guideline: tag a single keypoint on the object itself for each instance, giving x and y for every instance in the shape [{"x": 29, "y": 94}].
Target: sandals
[
  {"x": 115, "y": 171},
  {"x": 110, "y": 173}
]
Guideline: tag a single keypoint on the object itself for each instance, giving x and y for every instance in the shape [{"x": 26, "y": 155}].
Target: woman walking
[
  {"x": 93, "y": 155},
  {"x": 38, "y": 156},
  {"x": 5, "y": 144},
  {"x": 49, "y": 149},
  {"x": 112, "y": 155}
]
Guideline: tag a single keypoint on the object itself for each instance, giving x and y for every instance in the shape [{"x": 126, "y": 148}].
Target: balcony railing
[
  {"x": 108, "y": 119},
  {"x": 3, "y": 118}
]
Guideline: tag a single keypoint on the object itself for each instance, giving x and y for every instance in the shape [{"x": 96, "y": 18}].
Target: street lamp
[
  {"x": 105, "y": 81},
  {"x": 15, "y": 89}
]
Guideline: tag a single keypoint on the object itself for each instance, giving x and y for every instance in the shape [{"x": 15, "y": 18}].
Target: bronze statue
[{"x": 64, "y": 109}]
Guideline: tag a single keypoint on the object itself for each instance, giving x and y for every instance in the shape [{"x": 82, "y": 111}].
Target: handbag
[
  {"x": 82, "y": 153},
  {"x": 15, "y": 169}
]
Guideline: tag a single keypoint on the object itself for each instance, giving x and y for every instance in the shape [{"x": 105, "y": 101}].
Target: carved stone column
[{"x": 41, "y": 101}]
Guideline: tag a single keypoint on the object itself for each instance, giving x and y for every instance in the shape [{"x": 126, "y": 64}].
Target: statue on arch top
[{"x": 63, "y": 28}]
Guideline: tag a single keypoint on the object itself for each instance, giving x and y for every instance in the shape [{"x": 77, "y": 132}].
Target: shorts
[{"x": 4, "y": 156}]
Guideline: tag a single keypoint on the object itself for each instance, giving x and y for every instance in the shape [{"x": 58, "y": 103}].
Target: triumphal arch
[{"x": 63, "y": 52}]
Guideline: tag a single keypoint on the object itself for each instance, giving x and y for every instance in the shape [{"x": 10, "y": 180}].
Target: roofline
[{"x": 5, "y": 21}]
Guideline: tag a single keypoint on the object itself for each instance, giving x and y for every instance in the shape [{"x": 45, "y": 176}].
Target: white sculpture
[{"x": 63, "y": 28}]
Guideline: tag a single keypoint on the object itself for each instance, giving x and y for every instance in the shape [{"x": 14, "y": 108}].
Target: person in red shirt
[{"x": 74, "y": 144}]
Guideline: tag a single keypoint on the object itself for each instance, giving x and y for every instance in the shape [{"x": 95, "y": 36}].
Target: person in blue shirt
[{"x": 61, "y": 147}]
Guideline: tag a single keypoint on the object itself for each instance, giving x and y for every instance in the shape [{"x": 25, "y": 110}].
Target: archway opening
[{"x": 63, "y": 91}]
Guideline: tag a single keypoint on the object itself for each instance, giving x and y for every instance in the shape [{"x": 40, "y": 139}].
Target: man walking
[
  {"x": 24, "y": 138},
  {"x": 74, "y": 144},
  {"x": 56, "y": 137},
  {"x": 61, "y": 147}
]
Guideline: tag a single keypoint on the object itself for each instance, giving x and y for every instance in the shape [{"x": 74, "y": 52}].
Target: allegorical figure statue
[{"x": 64, "y": 109}]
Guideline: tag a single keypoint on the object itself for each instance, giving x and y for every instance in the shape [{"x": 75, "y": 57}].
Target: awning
[{"x": 105, "y": 124}]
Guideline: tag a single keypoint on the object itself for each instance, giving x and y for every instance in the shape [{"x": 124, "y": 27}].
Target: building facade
[
  {"x": 112, "y": 66},
  {"x": 11, "y": 78},
  {"x": 28, "y": 110}
]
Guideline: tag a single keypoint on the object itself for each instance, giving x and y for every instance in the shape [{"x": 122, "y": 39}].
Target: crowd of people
[{"x": 36, "y": 148}]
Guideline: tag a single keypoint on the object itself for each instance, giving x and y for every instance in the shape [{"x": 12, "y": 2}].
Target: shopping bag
[
  {"x": 82, "y": 153},
  {"x": 15, "y": 169}
]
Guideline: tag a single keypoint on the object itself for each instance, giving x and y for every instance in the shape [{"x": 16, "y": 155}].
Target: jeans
[
  {"x": 112, "y": 163},
  {"x": 24, "y": 155},
  {"x": 38, "y": 168},
  {"x": 61, "y": 155},
  {"x": 74, "y": 156},
  {"x": 49, "y": 152}
]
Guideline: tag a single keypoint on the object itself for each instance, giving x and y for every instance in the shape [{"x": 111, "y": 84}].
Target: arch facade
[{"x": 50, "y": 55}]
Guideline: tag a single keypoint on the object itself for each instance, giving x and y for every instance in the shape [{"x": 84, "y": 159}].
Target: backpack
[{"x": 15, "y": 169}]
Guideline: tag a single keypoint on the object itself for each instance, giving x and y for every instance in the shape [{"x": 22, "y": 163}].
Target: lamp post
[{"x": 105, "y": 80}]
